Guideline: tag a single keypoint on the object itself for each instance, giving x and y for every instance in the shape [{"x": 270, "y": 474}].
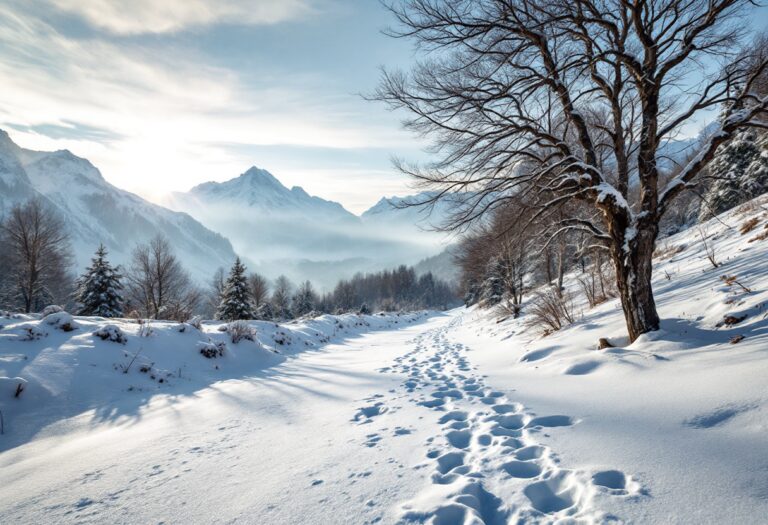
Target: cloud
[
  {"x": 153, "y": 115},
  {"x": 70, "y": 130},
  {"x": 163, "y": 16}
]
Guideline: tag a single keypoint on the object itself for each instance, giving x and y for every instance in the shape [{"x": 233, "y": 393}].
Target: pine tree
[
  {"x": 99, "y": 289},
  {"x": 740, "y": 170},
  {"x": 236, "y": 299}
]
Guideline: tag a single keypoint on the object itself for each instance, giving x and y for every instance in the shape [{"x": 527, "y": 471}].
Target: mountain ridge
[{"x": 95, "y": 211}]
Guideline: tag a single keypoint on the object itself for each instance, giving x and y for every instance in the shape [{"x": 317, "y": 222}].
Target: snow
[
  {"x": 605, "y": 190},
  {"x": 441, "y": 418}
]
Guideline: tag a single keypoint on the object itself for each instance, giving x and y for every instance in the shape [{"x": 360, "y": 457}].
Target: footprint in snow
[{"x": 367, "y": 413}]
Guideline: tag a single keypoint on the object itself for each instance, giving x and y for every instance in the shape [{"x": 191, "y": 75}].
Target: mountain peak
[{"x": 259, "y": 176}]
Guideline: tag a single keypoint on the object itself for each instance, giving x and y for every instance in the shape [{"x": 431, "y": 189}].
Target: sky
[{"x": 165, "y": 95}]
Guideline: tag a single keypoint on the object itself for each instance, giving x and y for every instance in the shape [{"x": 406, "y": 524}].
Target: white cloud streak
[{"x": 162, "y": 16}]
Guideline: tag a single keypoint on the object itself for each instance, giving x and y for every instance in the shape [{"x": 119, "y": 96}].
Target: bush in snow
[
  {"x": 13, "y": 385},
  {"x": 236, "y": 298},
  {"x": 99, "y": 288},
  {"x": 31, "y": 332},
  {"x": 364, "y": 310},
  {"x": 212, "y": 349},
  {"x": 61, "y": 320},
  {"x": 550, "y": 310},
  {"x": 239, "y": 330},
  {"x": 112, "y": 333},
  {"x": 51, "y": 309}
]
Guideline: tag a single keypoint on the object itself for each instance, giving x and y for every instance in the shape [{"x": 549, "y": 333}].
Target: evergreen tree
[
  {"x": 236, "y": 299},
  {"x": 492, "y": 291},
  {"x": 99, "y": 288},
  {"x": 740, "y": 170}
]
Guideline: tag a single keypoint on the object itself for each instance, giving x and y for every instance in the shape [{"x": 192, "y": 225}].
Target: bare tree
[
  {"x": 281, "y": 297},
  {"x": 158, "y": 283},
  {"x": 305, "y": 299},
  {"x": 259, "y": 289},
  {"x": 37, "y": 256},
  {"x": 215, "y": 291},
  {"x": 573, "y": 100}
]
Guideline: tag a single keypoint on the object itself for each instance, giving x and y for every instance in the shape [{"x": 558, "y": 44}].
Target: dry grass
[
  {"x": 550, "y": 311},
  {"x": 749, "y": 225},
  {"x": 760, "y": 236},
  {"x": 667, "y": 252}
]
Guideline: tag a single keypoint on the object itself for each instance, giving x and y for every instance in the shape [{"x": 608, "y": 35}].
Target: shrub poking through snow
[
  {"x": 51, "y": 309},
  {"x": 13, "y": 385},
  {"x": 550, "y": 310},
  {"x": 196, "y": 322},
  {"x": 31, "y": 332},
  {"x": 145, "y": 328},
  {"x": 112, "y": 333},
  {"x": 61, "y": 320},
  {"x": 748, "y": 225},
  {"x": 239, "y": 330},
  {"x": 731, "y": 320},
  {"x": 212, "y": 349}
]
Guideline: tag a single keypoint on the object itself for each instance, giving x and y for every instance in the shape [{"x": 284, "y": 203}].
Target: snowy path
[{"x": 391, "y": 426}]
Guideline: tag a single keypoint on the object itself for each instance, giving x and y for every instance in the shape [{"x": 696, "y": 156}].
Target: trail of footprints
[{"x": 488, "y": 448}]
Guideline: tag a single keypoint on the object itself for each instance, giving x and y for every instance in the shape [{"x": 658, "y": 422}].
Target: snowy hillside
[
  {"x": 449, "y": 418},
  {"x": 97, "y": 212}
]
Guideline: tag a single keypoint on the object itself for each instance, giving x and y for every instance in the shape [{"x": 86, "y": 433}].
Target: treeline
[
  {"x": 36, "y": 262},
  {"x": 240, "y": 295},
  {"x": 519, "y": 249}
]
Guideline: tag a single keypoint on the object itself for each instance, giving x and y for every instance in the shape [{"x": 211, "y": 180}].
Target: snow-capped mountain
[
  {"x": 408, "y": 211},
  {"x": 96, "y": 212},
  {"x": 288, "y": 231},
  {"x": 259, "y": 191}
]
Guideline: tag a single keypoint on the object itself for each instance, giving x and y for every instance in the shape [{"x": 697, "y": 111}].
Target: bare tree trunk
[
  {"x": 633, "y": 280},
  {"x": 561, "y": 264}
]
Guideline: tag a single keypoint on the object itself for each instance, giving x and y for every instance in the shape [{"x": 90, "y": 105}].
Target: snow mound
[{"x": 61, "y": 320}]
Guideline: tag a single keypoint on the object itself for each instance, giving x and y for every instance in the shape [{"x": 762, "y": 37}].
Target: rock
[
  {"x": 603, "y": 343},
  {"x": 731, "y": 320}
]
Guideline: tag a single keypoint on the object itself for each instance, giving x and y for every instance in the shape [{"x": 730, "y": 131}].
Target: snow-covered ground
[{"x": 443, "y": 418}]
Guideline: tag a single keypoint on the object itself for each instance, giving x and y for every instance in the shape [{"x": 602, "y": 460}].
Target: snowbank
[{"x": 72, "y": 364}]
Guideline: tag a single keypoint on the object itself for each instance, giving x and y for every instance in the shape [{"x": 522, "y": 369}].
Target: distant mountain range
[
  {"x": 277, "y": 230},
  {"x": 282, "y": 230},
  {"x": 96, "y": 212}
]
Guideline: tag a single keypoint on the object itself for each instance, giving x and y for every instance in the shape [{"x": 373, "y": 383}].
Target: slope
[{"x": 97, "y": 212}]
